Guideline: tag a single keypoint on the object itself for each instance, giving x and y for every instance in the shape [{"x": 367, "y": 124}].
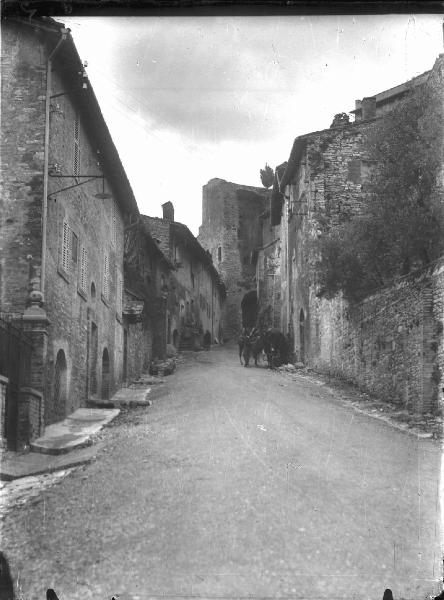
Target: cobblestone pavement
[{"x": 235, "y": 482}]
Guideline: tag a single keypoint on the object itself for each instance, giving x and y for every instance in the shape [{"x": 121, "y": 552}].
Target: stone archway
[{"x": 249, "y": 308}]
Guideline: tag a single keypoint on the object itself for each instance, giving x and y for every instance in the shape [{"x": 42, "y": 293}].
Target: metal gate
[{"x": 15, "y": 363}]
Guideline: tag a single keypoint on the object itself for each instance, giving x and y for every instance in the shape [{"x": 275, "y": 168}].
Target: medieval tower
[{"x": 231, "y": 233}]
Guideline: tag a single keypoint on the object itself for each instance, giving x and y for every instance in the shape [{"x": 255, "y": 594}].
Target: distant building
[
  {"x": 66, "y": 202},
  {"x": 147, "y": 274},
  {"x": 194, "y": 293},
  {"x": 229, "y": 231}
]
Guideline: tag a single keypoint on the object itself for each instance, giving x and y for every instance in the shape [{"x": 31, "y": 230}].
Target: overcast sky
[{"x": 189, "y": 99}]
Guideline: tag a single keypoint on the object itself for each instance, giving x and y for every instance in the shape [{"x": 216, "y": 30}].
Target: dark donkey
[
  {"x": 276, "y": 348},
  {"x": 246, "y": 342}
]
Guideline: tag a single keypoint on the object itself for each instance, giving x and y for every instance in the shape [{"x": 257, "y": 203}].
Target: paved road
[{"x": 238, "y": 482}]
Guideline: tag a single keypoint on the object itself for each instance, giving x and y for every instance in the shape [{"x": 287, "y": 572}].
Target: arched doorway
[
  {"x": 105, "y": 375},
  {"x": 249, "y": 309},
  {"x": 302, "y": 335},
  {"x": 60, "y": 386}
]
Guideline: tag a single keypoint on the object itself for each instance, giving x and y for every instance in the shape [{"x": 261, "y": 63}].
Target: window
[
  {"x": 105, "y": 285},
  {"x": 354, "y": 171},
  {"x": 74, "y": 248},
  {"x": 76, "y": 165},
  {"x": 66, "y": 247},
  {"x": 219, "y": 254},
  {"x": 83, "y": 269},
  {"x": 119, "y": 298}
]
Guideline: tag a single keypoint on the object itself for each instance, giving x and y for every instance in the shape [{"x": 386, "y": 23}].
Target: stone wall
[
  {"x": 23, "y": 94},
  {"x": 81, "y": 228},
  {"x": 230, "y": 232},
  {"x": 268, "y": 274},
  {"x": 193, "y": 304},
  {"x": 81, "y": 308},
  {"x": 388, "y": 344}
]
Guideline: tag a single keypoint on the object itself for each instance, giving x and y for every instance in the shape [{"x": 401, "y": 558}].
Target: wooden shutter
[
  {"x": 83, "y": 269},
  {"x": 66, "y": 247},
  {"x": 106, "y": 276}
]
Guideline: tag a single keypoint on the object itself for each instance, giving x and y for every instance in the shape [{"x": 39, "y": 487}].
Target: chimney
[
  {"x": 168, "y": 211},
  {"x": 368, "y": 108}
]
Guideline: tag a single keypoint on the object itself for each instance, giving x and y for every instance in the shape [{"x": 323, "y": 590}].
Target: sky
[{"x": 188, "y": 99}]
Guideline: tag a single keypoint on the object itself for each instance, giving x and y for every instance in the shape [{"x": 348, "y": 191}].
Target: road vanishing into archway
[{"x": 237, "y": 483}]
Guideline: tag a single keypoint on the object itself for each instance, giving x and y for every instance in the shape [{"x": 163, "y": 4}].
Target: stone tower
[{"x": 231, "y": 232}]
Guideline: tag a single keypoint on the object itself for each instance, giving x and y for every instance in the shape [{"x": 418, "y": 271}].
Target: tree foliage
[
  {"x": 267, "y": 176},
  {"x": 401, "y": 228}
]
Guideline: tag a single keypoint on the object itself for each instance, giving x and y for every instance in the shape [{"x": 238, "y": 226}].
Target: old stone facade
[
  {"x": 230, "y": 232},
  {"x": 391, "y": 343},
  {"x": 66, "y": 200},
  {"x": 194, "y": 292},
  {"x": 147, "y": 273}
]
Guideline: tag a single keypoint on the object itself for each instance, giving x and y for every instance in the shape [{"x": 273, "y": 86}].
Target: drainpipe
[{"x": 46, "y": 158}]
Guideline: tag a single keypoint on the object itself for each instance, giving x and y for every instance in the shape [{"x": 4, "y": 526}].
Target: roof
[
  {"x": 394, "y": 92},
  {"x": 69, "y": 63},
  {"x": 191, "y": 242},
  {"x": 162, "y": 229},
  {"x": 151, "y": 242}
]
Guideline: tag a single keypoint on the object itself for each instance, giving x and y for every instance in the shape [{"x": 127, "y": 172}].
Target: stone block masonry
[
  {"x": 390, "y": 344},
  {"x": 230, "y": 231}
]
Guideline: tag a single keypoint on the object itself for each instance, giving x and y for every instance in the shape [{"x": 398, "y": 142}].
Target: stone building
[
  {"x": 230, "y": 232},
  {"x": 267, "y": 258},
  {"x": 390, "y": 343},
  {"x": 66, "y": 202},
  {"x": 147, "y": 274},
  {"x": 194, "y": 292}
]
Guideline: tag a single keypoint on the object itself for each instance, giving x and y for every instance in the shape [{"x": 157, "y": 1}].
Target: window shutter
[
  {"x": 83, "y": 269},
  {"x": 66, "y": 247},
  {"x": 106, "y": 277}
]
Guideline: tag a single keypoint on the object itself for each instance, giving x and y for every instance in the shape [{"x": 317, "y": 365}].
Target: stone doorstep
[
  {"x": 74, "y": 432},
  {"x": 32, "y": 463},
  {"x": 129, "y": 397}
]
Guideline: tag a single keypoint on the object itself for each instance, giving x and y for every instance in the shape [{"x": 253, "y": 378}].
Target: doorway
[
  {"x": 249, "y": 309},
  {"x": 60, "y": 385},
  {"x": 105, "y": 375},
  {"x": 302, "y": 336}
]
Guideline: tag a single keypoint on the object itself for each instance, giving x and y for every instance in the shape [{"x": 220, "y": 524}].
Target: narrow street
[{"x": 237, "y": 482}]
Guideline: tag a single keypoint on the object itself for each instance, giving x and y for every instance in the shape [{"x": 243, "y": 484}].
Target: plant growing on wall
[
  {"x": 267, "y": 176},
  {"x": 401, "y": 226}
]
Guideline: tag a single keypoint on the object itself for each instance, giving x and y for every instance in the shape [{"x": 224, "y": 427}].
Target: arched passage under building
[{"x": 249, "y": 309}]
